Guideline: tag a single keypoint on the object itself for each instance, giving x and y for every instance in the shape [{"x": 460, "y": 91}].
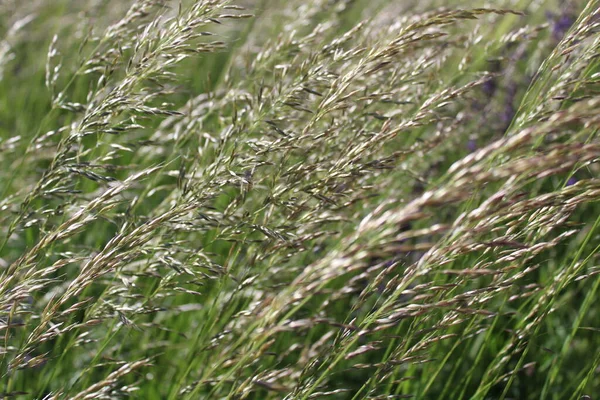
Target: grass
[{"x": 299, "y": 200}]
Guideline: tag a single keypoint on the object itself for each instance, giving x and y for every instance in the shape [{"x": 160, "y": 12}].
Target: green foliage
[{"x": 324, "y": 199}]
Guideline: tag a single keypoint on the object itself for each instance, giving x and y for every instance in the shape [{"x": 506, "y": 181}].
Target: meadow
[{"x": 301, "y": 199}]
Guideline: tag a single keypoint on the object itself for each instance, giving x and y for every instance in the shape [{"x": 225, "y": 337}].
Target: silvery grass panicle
[{"x": 299, "y": 200}]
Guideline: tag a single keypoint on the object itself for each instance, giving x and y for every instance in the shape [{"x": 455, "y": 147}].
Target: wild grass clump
[{"x": 299, "y": 200}]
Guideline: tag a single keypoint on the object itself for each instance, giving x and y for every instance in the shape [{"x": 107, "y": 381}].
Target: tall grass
[{"x": 299, "y": 200}]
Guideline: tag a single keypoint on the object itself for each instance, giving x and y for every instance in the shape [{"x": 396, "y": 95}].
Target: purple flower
[
  {"x": 472, "y": 145},
  {"x": 560, "y": 23},
  {"x": 507, "y": 116},
  {"x": 572, "y": 180},
  {"x": 489, "y": 87}
]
